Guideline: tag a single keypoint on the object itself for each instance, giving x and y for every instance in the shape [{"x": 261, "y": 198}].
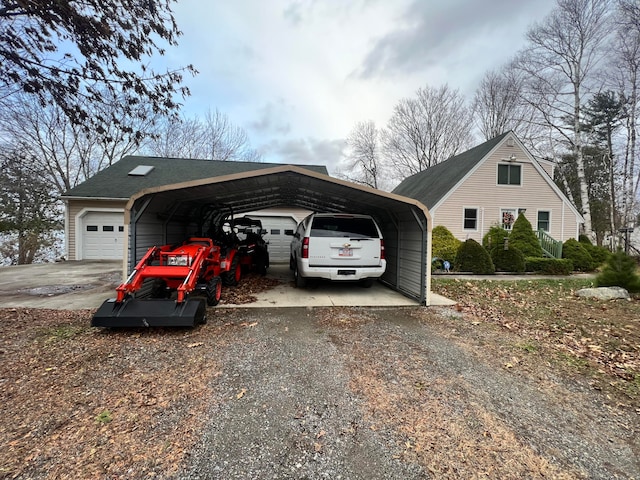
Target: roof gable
[
  {"x": 116, "y": 182},
  {"x": 432, "y": 184}
]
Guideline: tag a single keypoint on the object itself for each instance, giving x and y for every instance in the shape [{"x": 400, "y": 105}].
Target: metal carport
[{"x": 169, "y": 213}]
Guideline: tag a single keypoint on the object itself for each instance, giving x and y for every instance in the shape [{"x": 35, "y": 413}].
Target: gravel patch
[
  {"x": 283, "y": 409},
  {"x": 380, "y": 393}
]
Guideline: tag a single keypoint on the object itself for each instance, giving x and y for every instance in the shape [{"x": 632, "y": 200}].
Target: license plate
[{"x": 345, "y": 252}]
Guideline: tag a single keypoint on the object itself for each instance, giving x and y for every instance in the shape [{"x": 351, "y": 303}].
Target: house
[
  {"x": 94, "y": 218},
  {"x": 492, "y": 184}
]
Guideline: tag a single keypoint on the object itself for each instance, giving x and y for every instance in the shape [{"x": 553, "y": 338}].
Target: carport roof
[
  {"x": 117, "y": 182},
  {"x": 284, "y": 185}
]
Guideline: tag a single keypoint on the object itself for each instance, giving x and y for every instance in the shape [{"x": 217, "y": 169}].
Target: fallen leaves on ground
[
  {"x": 81, "y": 402},
  {"x": 600, "y": 338},
  {"x": 245, "y": 292}
]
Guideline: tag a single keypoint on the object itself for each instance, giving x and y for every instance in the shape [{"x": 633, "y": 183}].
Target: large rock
[{"x": 603, "y": 293}]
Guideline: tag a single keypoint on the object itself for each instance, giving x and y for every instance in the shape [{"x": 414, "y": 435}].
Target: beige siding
[
  {"x": 481, "y": 190},
  {"x": 76, "y": 207},
  {"x": 547, "y": 166}
]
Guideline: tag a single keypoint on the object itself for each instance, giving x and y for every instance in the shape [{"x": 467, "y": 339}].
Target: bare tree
[
  {"x": 563, "y": 55},
  {"x": 496, "y": 103},
  {"x": 215, "y": 138},
  {"x": 225, "y": 141},
  {"x": 176, "y": 137},
  {"x": 626, "y": 69},
  {"x": 364, "y": 160},
  {"x": 67, "y": 154},
  {"x": 428, "y": 129}
]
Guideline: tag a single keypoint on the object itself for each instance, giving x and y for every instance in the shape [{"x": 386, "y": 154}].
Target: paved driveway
[{"x": 86, "y": 284}]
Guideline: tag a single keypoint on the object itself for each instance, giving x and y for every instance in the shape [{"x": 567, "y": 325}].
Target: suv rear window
[{"x": 343, "y": 227}]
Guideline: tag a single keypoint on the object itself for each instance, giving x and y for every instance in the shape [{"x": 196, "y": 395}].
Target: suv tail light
[
  {"x": 382, "y": 249},
  {"x": 305, "y": 247}
]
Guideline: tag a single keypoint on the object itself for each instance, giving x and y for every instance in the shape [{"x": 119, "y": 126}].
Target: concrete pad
[
  {"x": 71, "y": 285},
  {"x": 329, "y": 294}
]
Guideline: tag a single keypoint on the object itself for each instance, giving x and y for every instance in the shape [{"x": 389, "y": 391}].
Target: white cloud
[{"x": 298, "y": 75}]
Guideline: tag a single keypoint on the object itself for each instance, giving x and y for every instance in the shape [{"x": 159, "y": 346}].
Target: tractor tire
[
  {"x": 214, "y": 291},
  {"x": 233, "y": 276},
  {"x": 263, "y": 263},
  {"x": 159, "y": 289},
  {"x": 151, "y": 288}
]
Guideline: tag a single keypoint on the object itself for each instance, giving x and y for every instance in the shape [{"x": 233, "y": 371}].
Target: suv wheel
[
  {"x": 367, "y": 282},
  {"x": 300, "y": 281}
]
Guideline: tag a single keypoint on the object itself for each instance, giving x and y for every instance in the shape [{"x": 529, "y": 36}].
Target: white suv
[{"x": 337, "y": 246}]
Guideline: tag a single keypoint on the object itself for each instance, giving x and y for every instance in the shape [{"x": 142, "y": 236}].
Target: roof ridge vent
[{"x": 141, "y": 170}]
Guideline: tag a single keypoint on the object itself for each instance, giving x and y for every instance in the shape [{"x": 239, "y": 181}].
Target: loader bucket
[{"x": 150, "y": 313}]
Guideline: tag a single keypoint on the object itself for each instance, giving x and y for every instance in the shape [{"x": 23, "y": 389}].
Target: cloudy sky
[{"x": 297, "y": 75}]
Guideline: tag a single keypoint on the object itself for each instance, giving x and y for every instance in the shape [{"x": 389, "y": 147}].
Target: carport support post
[
  {"x": 133, "y": 220},
  {"x": 426, "y": 245},
  {"x": 428, "y": 269}
]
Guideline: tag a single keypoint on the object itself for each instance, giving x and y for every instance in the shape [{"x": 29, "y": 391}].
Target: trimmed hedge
[
  {"x": 549, "y": 266},
  {"x": 473, "y": 257},
  {"x": 511, "y": 260}
]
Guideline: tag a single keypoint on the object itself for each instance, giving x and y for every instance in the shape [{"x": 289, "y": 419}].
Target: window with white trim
[
  {"x": 508, "y": 217},
  {"x": 509, "y": 174},
  {"x": 470, "y": 221},
  {"x": 544, "y": 220}
]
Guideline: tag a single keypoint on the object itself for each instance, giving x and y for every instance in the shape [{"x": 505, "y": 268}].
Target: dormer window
[{"x": 509, "y": 174}]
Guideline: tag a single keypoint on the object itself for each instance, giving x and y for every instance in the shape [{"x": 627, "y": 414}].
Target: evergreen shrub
[
  {"x": 444, "y": 245},
  {"x": 524, "y": 238},
  {"x": 620, "y": 271},
  {"x": 579, "y": 256},
  {"x": 511, "y": 260},
  {"x": 494, "y": 237},
  {"x": 599, "y": 254},
  {"x": 549, "y": 266},
  {"x": 473, "y": 257}
]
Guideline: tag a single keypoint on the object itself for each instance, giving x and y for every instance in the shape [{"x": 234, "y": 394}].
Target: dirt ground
[{"x": 473, "y": 391}]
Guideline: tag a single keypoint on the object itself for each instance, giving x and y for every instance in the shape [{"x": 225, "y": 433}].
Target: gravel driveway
[{"x": 384, "y": 393}]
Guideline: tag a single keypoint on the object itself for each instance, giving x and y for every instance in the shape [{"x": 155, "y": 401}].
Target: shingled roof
[
  {"x": 430, "y": 185},
  {"x": 117, "y": 182}
]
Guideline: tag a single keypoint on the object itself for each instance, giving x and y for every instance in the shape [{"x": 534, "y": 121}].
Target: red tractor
[{"x": 166, "y": 287}]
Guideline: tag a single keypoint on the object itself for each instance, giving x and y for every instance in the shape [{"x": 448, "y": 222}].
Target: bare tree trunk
[{"x": 582, "y": 178}]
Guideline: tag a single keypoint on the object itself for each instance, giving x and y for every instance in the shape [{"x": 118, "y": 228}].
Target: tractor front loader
[{"x": 165, "y": 288}]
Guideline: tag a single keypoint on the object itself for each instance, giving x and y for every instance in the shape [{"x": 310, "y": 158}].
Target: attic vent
[
  {"x": 141, "y": 170},
  {"x": 510, "y": 142}
]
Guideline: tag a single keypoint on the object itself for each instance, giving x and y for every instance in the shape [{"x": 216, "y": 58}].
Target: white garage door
[
  {"x": 277, "y": 229},
  {"x": 103, "y": 236}
]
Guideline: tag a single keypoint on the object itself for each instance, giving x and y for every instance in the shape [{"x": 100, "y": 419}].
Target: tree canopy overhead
[{"x": 69, "y": 52}]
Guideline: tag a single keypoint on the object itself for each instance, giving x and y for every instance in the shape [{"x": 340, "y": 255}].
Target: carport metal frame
[{"x": 166, "y": 214}]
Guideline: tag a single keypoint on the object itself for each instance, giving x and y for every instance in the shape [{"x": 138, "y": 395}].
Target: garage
[
  {"x": 102, "y": 235},
  {"x": 169, "y": 213},
  {"x": 278, "y": 237},
  {"x": 279, "y": 224}
]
